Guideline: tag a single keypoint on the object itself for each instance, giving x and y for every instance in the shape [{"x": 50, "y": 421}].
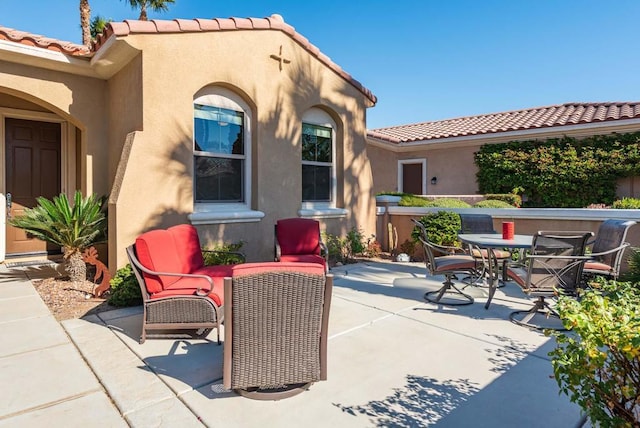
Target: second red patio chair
[{"x": 298, "y": 240}]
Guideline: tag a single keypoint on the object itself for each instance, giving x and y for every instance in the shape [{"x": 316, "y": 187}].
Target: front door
[
  {"x": 32, "y": 165},
  {"x": 412, "y": 178}
]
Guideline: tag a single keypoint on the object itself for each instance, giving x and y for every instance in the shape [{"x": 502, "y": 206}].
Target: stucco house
[
  {"x": 437, "y": 158},
  {"x": 228, "y": 124}
]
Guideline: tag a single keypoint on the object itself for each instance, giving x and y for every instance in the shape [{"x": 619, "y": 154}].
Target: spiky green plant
[{"x": 72, "y": 228}]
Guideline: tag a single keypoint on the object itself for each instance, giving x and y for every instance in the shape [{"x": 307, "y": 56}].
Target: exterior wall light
[{"x": 434, "y": 180}]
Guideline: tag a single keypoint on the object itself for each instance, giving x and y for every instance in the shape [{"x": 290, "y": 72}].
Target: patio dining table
[{"x": 491, "y": 242}]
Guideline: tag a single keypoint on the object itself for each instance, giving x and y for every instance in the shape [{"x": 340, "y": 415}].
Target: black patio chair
[
  {"x": 452, "y": 261},
  {"x": 553, "y": 267},
  {"x": 608, "y": 248}
]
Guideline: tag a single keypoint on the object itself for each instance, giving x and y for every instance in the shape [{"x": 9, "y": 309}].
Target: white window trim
[
  {"x": 236, "y": 212},
  {"x": 424, "y": 173},
  {"x": 323, "y": 209}
]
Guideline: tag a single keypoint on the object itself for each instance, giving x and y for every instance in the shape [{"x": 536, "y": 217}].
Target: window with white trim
[
  {"x": 221, "y": 150},
  {"x": 318, "y": 159}
]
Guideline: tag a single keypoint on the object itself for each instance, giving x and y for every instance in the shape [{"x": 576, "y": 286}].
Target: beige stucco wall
[
  {"x": 79, "y": 100},
  {"x": 154, "y": 182}
]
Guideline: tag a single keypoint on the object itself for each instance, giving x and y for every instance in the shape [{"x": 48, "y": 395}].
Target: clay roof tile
[{"x": 494, "y": 123}]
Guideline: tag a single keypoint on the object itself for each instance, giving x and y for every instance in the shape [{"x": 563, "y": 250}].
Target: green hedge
[
  {"x": 627, "y": 204},
  {"x": 560, "y": 172},
  {"x": 492, "y": 203}
]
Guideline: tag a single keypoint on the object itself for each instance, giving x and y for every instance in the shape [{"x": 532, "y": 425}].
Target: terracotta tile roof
[
  {"x": 29, "y": 39},
  {"x": 519, "y": 120},
  {"x": 274, "y": 22}
]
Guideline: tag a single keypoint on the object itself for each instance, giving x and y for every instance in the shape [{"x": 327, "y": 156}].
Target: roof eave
[
  {"x": 578, "y": 130},
  {"x": 45, "y": 58}
]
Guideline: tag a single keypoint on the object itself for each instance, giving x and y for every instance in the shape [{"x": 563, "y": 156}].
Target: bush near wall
[{"x": 562, "y": 172}]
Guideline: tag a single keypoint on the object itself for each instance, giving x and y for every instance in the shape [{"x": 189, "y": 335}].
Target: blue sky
[{"x": 426, "y": 59}]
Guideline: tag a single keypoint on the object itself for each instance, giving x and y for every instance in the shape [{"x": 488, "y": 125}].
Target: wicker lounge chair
[
  {"x": 298, "y": 240},
  {"x": 275, "y": 336},
  {"x": 179, "y": 293}
]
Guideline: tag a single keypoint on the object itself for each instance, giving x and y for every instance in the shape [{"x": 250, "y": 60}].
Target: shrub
[
  {"x": 450, "y": 203},
  {"x": 442, "y": 228},
  {"x": 408, "y": 247},
  {"x": 627, "y": 204},
  {"x": 223, "y": 254},
  {"x": 509, "y": 198},
  {"x": 598, "y": 364},
  {"x": 559, "y": 172},
  {"x": 492, "y": 203},
  {"x": 414, "y": 201},
  {"x": 125, "y": 290},
  {"x": 633, "y": 273}
]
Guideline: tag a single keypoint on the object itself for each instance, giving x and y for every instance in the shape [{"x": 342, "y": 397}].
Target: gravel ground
[{"x": 67, "y": 299}]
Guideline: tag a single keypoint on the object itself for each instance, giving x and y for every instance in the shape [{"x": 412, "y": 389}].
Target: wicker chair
[
  {"x": 299, "y": 240},
  {"x": 179, "y": 293},
  {"x": 608, "y": 248},
  {"x": 554, "y": 266},
  {"x": 275, "y": 335},
  {"x": 449, "y": 265}
]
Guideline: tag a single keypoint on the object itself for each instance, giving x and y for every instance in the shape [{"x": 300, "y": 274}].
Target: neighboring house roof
[
  {"x": 519, "y": 120},
  {"x": 30, "y": 39},
  {"x": 121, "y": 29}
]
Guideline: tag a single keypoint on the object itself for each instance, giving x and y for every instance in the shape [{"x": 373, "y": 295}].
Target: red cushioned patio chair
[
  {"x": 179, "y": 292},
  {"x": 298, "y": 240}
]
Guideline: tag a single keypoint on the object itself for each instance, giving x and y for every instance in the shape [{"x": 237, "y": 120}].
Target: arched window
[
  {"x": 318, "y": 159},
  {"x": 221, "y": 148},
  {"x": 221, "y": 158}
]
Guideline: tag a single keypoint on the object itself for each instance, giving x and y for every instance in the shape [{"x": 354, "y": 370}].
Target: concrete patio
[{"x": 394, "y": 360}]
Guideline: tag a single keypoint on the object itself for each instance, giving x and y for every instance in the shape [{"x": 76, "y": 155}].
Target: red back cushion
[
  {"x": 298, "y": 236},
  {"x": 188, "y": 245},
  {"x": 253, "y": 268},
  {"x": 176, "y": 250}
]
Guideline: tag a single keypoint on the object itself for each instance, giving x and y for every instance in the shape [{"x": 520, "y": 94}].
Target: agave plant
[{"x": 72, "y": 228}]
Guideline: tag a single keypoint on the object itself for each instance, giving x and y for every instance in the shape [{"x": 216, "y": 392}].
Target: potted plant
[
  {"x": 72, "y": 228},
  {"x": 598, "y": 363}
]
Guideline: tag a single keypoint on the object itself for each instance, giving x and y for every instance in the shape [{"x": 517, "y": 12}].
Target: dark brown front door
[
  {"x": 32, "y": 168},
  {"x": 412, "y": 178}
]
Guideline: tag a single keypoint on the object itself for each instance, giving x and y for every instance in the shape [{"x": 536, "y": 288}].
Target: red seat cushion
[
  {"x": 597, "y": 266},
  {"x": 303, "y": 258},
  {"x": 189, "y": 287},
  {"x": 298, "y": 236},
  {"x": 253, "y": 268}
]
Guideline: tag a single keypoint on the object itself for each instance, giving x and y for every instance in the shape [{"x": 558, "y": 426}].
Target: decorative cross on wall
[{"x": 280, "y": 58}]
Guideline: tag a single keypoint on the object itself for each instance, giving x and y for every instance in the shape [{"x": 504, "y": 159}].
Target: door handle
[{"x": 9, "y": 203}]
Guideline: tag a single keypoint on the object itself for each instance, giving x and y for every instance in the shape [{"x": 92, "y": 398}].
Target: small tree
[{"x": 72, "y": 228}]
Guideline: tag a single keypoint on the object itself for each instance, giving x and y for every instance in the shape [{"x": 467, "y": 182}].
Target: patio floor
[{"x": 394, "y": 360}]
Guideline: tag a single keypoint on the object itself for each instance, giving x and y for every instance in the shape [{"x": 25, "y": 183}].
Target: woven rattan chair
[
  {"x": 608, "y": 248},
  {"x": 299, "y": 240},
  {"x": 449, "y": 265},
  {"x": 275, "y": 335},
  {"x": 180, "y": 295},
  {"x": 554, "y": 267}
]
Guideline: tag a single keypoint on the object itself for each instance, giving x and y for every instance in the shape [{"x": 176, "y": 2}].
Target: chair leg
[
  {"x": 458, "y": 298},
  {"x": 540, "y": 306}
]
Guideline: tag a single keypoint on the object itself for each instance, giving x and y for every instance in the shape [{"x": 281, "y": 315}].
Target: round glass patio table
[{"x": 490, "y": 242}]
